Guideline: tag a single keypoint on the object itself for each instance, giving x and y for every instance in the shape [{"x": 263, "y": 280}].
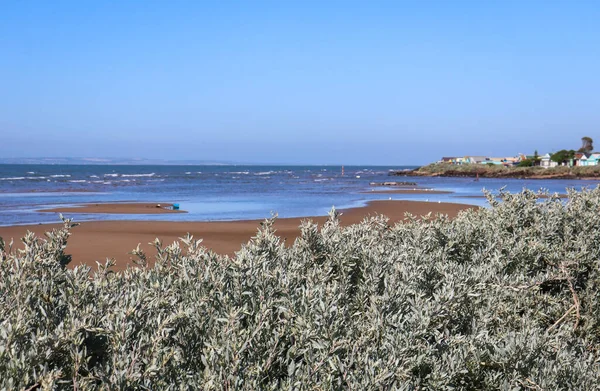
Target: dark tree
[
  {"x": 526, "y": 163},
  {"x": 587, "y": 145},
  {"x": 563, "y": 156}
]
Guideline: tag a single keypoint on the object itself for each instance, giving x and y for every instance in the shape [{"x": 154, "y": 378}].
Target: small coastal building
[
  {"x": 475, "y": 159},
  {"x": 454, "y": 160},
  {"x": 497, "y": 161},
  {"x": 449, "y": 160},
  {"x": 547, "y": 162},
  {"x": 511, "y": 161},
  {"x": 580, "y": 159},
  {"x": 591, "y": 160}
]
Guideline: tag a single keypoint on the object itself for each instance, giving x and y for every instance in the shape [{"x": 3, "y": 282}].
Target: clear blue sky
[{"x": 342, "y": 82}]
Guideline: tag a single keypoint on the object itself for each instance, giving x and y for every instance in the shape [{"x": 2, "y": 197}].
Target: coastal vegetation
[
  {"x": 499, "y": 171},
  {"x": 504, "y": 297},
  {"x": 587, "y": 145}
]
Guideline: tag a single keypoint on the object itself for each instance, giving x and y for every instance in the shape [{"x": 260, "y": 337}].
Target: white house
[{"x": 547, "y": 162}]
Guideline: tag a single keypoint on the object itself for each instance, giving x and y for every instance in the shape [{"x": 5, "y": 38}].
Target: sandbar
[
  {"x": 97, "y": 240},
  {"x": 118, "y": 208}
]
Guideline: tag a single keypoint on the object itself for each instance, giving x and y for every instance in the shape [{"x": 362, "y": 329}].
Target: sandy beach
[{"x": 97, "y": 240}]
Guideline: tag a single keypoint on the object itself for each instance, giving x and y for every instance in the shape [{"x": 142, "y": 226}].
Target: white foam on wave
[
  {"x": 188, "y": 173},
  {"x": 240, "y": 172},
  {"x": 93, "y": 176},
  {"x": 78, "y": 181},
  {"x": 16, "y": 178},
  {"x": 60, "y": 176},
  {"x": 111, "y": 175},
  {"x": 265, "y": 173},
  {"x": 138, "y": 175},
  {"x": 31, "y": 172}
]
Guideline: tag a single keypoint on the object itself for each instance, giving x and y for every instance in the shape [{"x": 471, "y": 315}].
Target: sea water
[{"x": 226, "y": 192}]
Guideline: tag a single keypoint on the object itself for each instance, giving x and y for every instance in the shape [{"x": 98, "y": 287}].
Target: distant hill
[{"x": 108, "y": 161}]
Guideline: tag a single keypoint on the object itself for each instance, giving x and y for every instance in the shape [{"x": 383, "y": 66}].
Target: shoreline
[
  {"x": 93, "y": 241},
  {"x": 116, "y": 208},
  {"x": 408, "y": 191}
]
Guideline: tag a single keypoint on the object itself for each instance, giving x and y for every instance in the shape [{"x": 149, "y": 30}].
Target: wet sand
[
  {"x": 408, "y": 191},
  {"x": 118, "y": 208},
  {"x": 97, "y": 240}
]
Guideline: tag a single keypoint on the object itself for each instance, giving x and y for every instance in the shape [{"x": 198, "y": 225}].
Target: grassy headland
[{"x": 496, "y": 171}]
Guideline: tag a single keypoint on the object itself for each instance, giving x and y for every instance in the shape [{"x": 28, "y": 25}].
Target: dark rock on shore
[{"x": 403, "y": 172}]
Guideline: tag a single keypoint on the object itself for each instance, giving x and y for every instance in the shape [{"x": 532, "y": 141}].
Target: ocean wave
[
  {"x": 78, "y": 181},
  {"x": 188, "y": 173},
  {"x": 31, "y": 172},
  {"x": 111, "y": 175},
  {"x": 239, "y": 172},
  {"x": 93, "y": 176},
  {"x": 265, "y": 173},
  {"x": 60, "y": 176},
  {"x": 138, "y": 175},
  {"x": 18, "y": 178}
]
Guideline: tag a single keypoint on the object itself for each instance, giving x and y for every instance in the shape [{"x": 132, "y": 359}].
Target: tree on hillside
[
  {"x": 526, "y": 163},
  {"x": 536, "y": 158},
  {"x": 587, "y": 145},
  {"x": 563, "y": 156}
]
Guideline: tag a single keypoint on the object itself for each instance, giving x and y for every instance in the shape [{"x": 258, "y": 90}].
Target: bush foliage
[{"x": 501, "y": 298}]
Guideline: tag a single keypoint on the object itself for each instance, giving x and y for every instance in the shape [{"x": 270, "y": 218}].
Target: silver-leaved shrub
[{"x": 504, "y": 298}]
